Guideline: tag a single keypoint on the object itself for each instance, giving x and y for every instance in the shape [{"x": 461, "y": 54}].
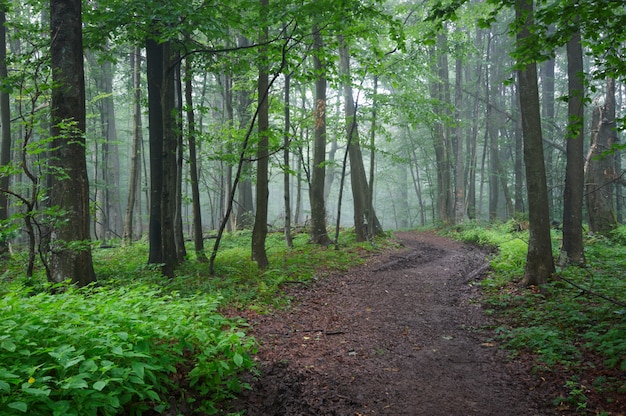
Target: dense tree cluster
[{"x": 125, "y": 119}]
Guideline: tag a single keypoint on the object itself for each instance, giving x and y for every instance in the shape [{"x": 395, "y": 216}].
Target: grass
[
  {"x": 134, "y": 340},
  {"x": 574, "y": 330}
]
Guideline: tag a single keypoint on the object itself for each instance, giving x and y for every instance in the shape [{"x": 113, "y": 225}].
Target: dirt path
[{"x": 398, "y": 336}]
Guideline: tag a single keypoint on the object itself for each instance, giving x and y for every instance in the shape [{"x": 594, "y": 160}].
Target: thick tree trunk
[
  {"x": 572, "y": 251},
  {"x": 70, "y": 193},
  {"x": 318, "y": 232},
  {"x": 154, "y": 60},
  {"x": 539, "y": 261},
  {"x": 600, "y": 169}
]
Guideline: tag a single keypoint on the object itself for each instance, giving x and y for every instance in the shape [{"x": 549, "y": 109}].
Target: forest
[{"x": 166, "y": 166}]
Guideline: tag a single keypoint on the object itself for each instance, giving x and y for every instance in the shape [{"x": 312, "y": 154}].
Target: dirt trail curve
[{"x": 397, "y": 336}]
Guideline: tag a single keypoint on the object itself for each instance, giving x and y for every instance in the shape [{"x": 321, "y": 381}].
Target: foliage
[
  {"x": 113, "y": 350},
  {"x": 576, "y": 322}
]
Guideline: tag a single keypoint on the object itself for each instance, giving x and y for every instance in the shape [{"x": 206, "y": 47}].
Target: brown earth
[{"x": 403, "y": 334}]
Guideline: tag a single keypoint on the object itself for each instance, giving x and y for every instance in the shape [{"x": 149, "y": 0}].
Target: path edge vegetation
[
  {"x": 136, "y": 342},
  {"x": 568, "y": 333}
]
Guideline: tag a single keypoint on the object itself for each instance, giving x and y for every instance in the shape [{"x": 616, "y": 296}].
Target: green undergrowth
[
  {"x": 575, "y": 326},
  {"x": 136, "y": 341}
]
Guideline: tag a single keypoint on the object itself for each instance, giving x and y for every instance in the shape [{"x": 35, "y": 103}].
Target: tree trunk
[
  {"x": 318, "y": 232},
  {"x": 154, "y": 60},
  {"x": 363, "y": 210},
  {"x": 572, "y": 250},
  {"x": 135, "y": 156},
  {"x": 286, "y": 158},
  {"x": 5, "y": 132},
  {"x": 539, "y": 261},
  {"x": 459, "y": 170},
  {"x": 69, "y": 192},
  {"x": 600, "y": 169},
  {"x": 440, "y": 93},
  {"x": 198, "y": 238},
  {"x": 259, "y": 232}
]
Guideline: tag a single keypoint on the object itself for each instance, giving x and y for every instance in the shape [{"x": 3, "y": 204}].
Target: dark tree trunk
[
  {"x": 198, "y": 238},
  {"x": 5, "y": 132},
  {"x": 318, "y": 232},
  {"x": 572, "y": 248},
  {"x": 600, "y": 169},
  {"x": 71, "y": 192},
  {"x": 259, "y": 232},
  {"x": 154, "y": 60},
  {"x": 539, "y": 261}
]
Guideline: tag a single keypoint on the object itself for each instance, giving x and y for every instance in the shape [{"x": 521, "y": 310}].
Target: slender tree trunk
[
  {"x": 358, "y": 179},
  {"x": 71, "y": 194},
  {"x": 318, "y": 232},
  {"x": 286, "y": 158},
  {"x": 600, "y": 169},
  {"x": 198, "y": 238},
  {"x": 548, "y": 111},
  {"x": 259, "y": 231},
  {"x": 459, "y": 171},
  {"x": 5, "y": 129},
  {"x": 539, "y": 261},
  {"x": 135, "y": 156},
  {"x": 572, "y": 251}
]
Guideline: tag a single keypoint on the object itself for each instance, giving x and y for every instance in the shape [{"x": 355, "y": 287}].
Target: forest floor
[{"x": 404, "y": 334}]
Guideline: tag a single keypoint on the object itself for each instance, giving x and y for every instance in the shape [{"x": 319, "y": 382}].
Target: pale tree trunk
[
  {"x": 572, "y": 250},
  {"x": 539, "y": 261},
  {"x": 600, "y": 169},
  {"x": 440, "y": 92},
  {"x": 259, "y": 231},
  {"x": 134, "y": 191},
  {"x": 363, "y": 210},
  {"x": 459, "y": 171},
  {"x": 318, "y": 232},
  {"x": 548, "y": 109},
  {"x": 69, "y": 260},
  {"x": 5, "y": 132}
]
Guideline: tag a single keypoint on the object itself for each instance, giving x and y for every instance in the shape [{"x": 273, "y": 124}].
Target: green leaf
[
  {"x": 8, "y": 345},
  {"x": 99, "y": 385},
  {"x": 4, "y": 386},
  {"x": 74, "y": 383},
  {"x": 21, "y": 406},
  {"x": 138, "y": 367},
  {"x": 238, "y": 359}
]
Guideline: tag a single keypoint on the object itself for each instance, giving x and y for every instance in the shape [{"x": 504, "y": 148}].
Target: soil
[{"x": 404, "y": 334}]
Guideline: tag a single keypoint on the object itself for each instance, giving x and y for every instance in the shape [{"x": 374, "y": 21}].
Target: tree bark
[
  {"x": 198, "y": 238},
  {"x": 363, "y": 210},
  {"x": 70, "y": 189},
  {"x": 318, "y": 232},
  {"x": 135, "y": 156},
  {"x": 259, "y": 231},
  {"x": 600, "y": 169},
  {"x": 286, "y": 158},
  {"x": 539, "y": 261},
  {"x": 572, "y": 251},
  {"x": 5, "y": 132}
]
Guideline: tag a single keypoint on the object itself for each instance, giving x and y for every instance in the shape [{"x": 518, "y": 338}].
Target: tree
[
  {"x": 5, "y": 132},
  {"x": 600, "y": 168},
  {"x": 259, "y": 232},
  {"x": 318, "y": 232},
  {"x": 572, "y": 251},
  {"x": 539, "y": 261},
  {"x": 70, "y": 256}
]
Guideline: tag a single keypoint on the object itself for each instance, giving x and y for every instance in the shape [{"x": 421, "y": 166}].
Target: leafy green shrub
[
  {"x": 111, "y": 351},
  {"x": 511, "y": 257}
]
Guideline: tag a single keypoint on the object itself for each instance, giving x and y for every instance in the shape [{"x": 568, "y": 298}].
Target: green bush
[{"x": 113, "y": 351}]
